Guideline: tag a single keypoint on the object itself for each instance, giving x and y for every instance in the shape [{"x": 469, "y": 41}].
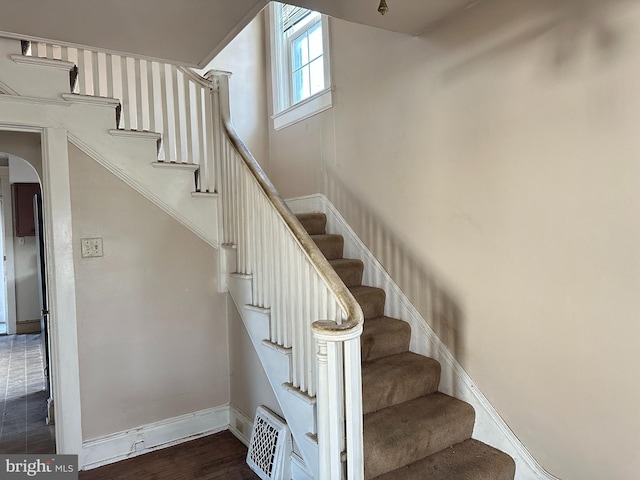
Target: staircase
[
  {"x": 301, "y": 301},
  {"x": 411, "y": 431}
]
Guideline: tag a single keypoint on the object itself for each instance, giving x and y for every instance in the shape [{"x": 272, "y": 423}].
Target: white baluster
[
  {"x": 82, "y": 73},
  {"x": 138, "y": 104},
  {"x": 177, "y": 135},
  {"x": 167, "y": 140},
  {"x": 329, "y": 434},
  {"x": 189, "y": 157},
  {"x": 200, "y": 131},
  {"x": 209, "y": 180},
  {"x": 95, "y": 74},
  {"x": 125, "y": 115},
  {"x": 109, "y": 73},
  {"x": 151, "y": 96},
  {"x": 353, "y": 409}
]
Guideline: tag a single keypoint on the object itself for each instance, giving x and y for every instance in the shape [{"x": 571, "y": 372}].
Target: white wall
[
  {"x": 152, "y": 329},
  {"x": 495, "y": 159}
]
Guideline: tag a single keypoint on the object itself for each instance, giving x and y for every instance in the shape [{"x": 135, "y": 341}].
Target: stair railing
[
  {"x": 312, "y": 312},
  {"x": 154, "y": 96},
  {"x": 310, "y": 307}
]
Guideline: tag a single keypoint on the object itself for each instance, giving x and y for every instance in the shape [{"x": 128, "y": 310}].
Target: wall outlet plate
[{"x": 91, "y": 247}]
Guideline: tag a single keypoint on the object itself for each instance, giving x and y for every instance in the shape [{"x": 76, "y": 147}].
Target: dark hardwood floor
[{"x": 219, "y": 456}]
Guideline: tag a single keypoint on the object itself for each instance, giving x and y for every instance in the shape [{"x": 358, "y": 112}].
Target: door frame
[{"x": 63, "y": 339}]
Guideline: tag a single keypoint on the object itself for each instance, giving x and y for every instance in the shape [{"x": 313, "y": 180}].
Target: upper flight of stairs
[
  {"x": 37, "y": 91},
  {"x": 411, "y": 431}
]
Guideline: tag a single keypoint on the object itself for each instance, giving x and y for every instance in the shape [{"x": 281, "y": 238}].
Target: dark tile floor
[{"x": 23, "y": 398}]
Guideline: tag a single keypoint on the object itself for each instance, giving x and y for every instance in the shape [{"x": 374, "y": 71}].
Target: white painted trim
[
  {"x": 91, "y": 100},
  {"x": 15, "y": 98},
  {"x": 118, "y": 132},
  {"x": 490, "y": 427},
  {"x": 63, "y": 339},
  {"x": 6, "y": 89},
  {"x": 42, "y": 62},
  {"x": 209, "y": 195},
  {"x": 307, "y": 108},
  {"x": 178, "y": 165},
  {"x": 298, "y": 468},
  {"x": 153, "y": 436},
  {"x": 240, "y": 424}
]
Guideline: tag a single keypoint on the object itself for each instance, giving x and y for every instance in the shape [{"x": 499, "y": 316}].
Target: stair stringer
[
  {"x": 88, "y": 121},
  {"x": 489, "y": 427},
  {"x": 300, "y": 414}
]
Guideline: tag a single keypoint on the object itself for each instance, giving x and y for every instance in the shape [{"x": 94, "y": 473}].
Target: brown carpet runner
[{"x": 411, "y": 431}]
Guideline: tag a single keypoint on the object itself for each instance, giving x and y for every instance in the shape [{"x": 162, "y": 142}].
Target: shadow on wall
[
  {"x": 487, "y": 29},
  {"x": 426, "y": 289}
]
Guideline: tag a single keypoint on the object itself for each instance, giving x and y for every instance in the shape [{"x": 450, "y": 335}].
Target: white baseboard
[
  {"x": 154, "y": 436},
  {"x": 490, "y": 427},
  {"x": 240, "y": 424}
]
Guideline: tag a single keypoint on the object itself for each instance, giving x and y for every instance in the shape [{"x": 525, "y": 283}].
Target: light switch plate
[{"x": 91, "y": 247}]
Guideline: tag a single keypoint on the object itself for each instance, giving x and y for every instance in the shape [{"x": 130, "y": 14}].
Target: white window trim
[
  {"x": 304, "y": 109},
  {"x": 286, "y": 114}
]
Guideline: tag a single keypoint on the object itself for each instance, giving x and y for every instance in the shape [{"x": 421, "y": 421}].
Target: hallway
[{"x": 23, "y": 397}]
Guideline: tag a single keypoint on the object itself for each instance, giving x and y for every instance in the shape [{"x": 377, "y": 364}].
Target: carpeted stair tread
[
  {"x": 396, "y": 379},
  {"x": 405, "y": 433},
  {"x": 349, "y": 270},
  {"x": 411, "y": 431},
  {"x": 384, "y": 336},
  {"x": 330, "y": 245},
  {"x": 371, "y": 300},
  {"x": 313, "y": 223},
  {"x": 468, "y": 460}
]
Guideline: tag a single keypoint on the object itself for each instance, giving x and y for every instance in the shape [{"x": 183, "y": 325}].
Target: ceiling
[{"x": 190, "y": 32}]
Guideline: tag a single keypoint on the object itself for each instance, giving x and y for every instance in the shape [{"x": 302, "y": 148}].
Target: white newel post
[
  {"x": 329, "y": 432},
  {"x": 220, "y": 112},
  {"x": 339, "y": 401}
]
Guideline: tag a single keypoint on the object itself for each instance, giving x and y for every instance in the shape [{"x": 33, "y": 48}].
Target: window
[{"x": 300, "y": 63}]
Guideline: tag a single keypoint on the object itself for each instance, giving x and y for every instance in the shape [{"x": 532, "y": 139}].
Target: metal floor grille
[{"x": 270, "y": 446}]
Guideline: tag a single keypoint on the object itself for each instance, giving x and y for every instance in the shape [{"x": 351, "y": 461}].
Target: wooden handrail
[{"x": 328, "y": 329}]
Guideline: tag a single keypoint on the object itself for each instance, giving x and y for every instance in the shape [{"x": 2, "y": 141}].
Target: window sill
[{"x": 308, "y": 107}]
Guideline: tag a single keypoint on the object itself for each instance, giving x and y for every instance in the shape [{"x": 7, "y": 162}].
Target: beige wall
[
  {"x": 152, "y": 331},
  {"x": 250, "y": 387},
  {"x": 244, "y": 57},
  {"x": 25, "y": 145},
  {"x": 492, "y": 164}
]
